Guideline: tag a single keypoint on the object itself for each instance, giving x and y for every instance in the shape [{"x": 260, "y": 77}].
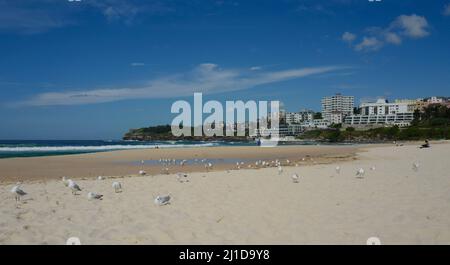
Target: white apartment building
[
  {"x": 299, "y": 117},
  {"x": 337, "y": 104},
  {"x": 383, "y": 112}
]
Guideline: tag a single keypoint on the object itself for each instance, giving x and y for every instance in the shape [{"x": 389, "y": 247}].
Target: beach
[{"x": 226, "y": 205}]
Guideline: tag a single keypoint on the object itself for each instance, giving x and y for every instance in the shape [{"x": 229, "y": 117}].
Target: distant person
[{"x": 425, "y": 145}]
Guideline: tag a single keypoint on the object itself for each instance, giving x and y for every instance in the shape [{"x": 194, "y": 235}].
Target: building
[
  {"x": 337, "y": 106},
  {"x": 382, "y": 112},
  {"x": 293, "y": 118},
  {"x": 336, "y": 117},
  {"x": 299, "y": 117}
]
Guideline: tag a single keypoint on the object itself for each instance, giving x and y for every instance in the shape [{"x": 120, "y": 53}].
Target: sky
[{"x": 92, "y": 69}]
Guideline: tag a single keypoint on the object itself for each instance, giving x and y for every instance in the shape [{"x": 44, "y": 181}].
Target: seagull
[
  {"x": 18, "y": 192},
  {"x": 165, "y": 170},
  {"x": 208, "y": 166},
  {"x": 182, "y": 177},
  {"x": 100, "y": 178},
  {"x": 65, "y": 181},
  {"x": 142, "y": 172},
  {"x": 373, "y": 168},
  {"x": 92, "y": 195},
  {"x": 415, "y": 166},
  {"x": 162, "y": 200},
  {"x": 295, "y": 178},
  {"x": 338, "y": 170},
  {"x": 360, "y": 172},
  {"x": 183, "y": 162},
  {"x": 280, "y": 170},
  {"x": 73, "y": 186},
  {"x": 117, "y": 186}
]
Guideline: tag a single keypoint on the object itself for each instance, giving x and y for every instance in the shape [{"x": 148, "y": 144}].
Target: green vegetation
[
  {"x": 164, "y": 132},
  {"x": 432, "y": 123}
]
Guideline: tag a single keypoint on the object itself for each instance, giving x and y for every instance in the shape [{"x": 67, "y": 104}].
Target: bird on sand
[
  {"x": 416, "y": 166},
  {"x": 338, "y": 169},
  {"x": 117, "y": 186},
  {"x": 162, "y": 199},
  {"x": 74, "y": 187},
  {"x": 360, "y": 172},
  {"x": 94, "y": 196},
  {"x": 295, "y": 178},
  {"x": 18, "y": 192}
]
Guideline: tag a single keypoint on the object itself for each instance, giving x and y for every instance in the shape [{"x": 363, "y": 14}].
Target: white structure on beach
[
  {"x": 336, "y": 107},
  {"x": 382, "y": 112}
]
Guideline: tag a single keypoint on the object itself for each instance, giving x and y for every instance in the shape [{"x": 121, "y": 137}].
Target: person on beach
[{"x": 425, "y": 145}]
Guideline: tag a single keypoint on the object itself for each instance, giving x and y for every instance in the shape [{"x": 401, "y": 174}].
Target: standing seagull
[
  {"x": 295, "y": 178},
  {"x": 415, "y": 166},
  {"x": 142, "y": 172},
  {"x": 338, "y": 170},
  {"x": 162, "y": 200},
  {"x": 360, "y": 172},
  {"x": 74, "y": 187},
  {"x": 18, "y": 192},
  {"x": 117, "y": 186}
]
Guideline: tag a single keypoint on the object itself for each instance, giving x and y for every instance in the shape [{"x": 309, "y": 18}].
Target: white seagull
[
  {"x": 94, "y": 196},
  {"x": 338, "y": 169},
  {"x": 360, "y": 172},
  {"x": 73, "y": 186},
  {"x": 295, "y": 178},
  {"x": 162, "y": 200},
  {"x": 280, "y": 170},
  {"x": 142, "y": 172},
  {"x": 117, "y": 186},
  {"x": 415, "y": 166},
  {"x": 18, "y": 192}
]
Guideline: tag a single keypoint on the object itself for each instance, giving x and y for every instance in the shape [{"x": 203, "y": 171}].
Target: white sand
[{"x": 394, "y": 203}]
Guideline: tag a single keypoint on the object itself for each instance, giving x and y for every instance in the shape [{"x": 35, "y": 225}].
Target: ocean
[{"x": 29, "y": 148}]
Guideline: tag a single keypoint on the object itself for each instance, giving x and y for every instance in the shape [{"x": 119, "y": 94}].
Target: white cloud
[
  {"x": 348, "y": 37},
  {"x": 393, "y": 38},
  {"x": 369, "y": 44},
  {"x": 206, "y": 78},
  {"x": 413, "y": 26},
  {"x": 446, "y": 11},
  {"x": 255, "y": 68},
  {"x": 403, "y": 27},
  {"x": 136, "y": 64}
]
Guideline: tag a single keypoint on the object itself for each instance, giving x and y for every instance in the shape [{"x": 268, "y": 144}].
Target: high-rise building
[{"x": 337, "y": 106}]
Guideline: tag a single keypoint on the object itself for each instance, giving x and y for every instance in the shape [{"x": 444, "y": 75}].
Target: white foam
[{"x": 96, "y": 148}]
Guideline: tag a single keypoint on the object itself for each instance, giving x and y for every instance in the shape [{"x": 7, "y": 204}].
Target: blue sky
[{"x": 93, "y": 69}]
